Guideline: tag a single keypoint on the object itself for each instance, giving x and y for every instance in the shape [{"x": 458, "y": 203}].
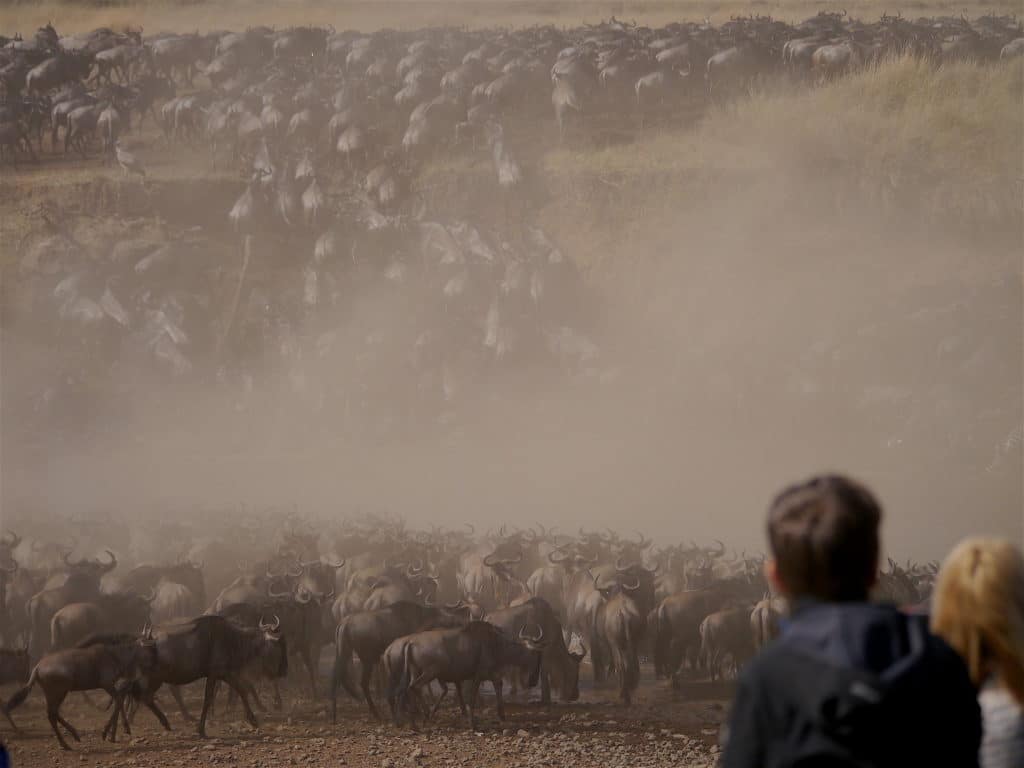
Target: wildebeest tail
[
  {"x": 22, "y": 693},
  {"x": 342, "y": 662}
]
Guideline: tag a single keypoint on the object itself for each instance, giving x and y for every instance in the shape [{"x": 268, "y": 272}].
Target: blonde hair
[{"x": 978, "y": 608}]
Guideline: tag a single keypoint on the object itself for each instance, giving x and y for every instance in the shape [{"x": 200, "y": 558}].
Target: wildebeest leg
[
  {"x": 365, "y": 673},
  {"x": 153, "y": 707},
  {"x": 208, "y": 694},
  {"x": 460, "y": 698},
  {"x": 545, "y": 687},
  {"x": 176, "y": 695},
  {"x": 54, "y": 718},
  {"x": 239, "y": 688},
  {"x": 9, "y": 720},
  {"x": 498, "y": 684},
  {"x": 437, "y": 703},
  {"x": 474, "y": 690}
]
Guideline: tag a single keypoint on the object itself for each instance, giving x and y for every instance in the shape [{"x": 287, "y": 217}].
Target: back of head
[
  {"x": 824, "y": 539},
  {"x": 979, "y": 610}
]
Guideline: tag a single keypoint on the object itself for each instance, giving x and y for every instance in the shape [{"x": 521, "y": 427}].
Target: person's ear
[{"x": 771, "y": 573}]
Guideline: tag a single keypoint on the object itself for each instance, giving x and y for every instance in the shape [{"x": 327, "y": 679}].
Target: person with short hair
[
  {"x": 848, "y": 683},
  {"x": 979, "y": 610}
]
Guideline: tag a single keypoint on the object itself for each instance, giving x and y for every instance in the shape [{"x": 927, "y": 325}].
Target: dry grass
[
  {"x": 905, "y": 137},
  {"x": 408, "y": 14}
]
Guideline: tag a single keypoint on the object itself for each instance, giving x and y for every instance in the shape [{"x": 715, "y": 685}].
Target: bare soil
[{"x": 665, "y": 727}]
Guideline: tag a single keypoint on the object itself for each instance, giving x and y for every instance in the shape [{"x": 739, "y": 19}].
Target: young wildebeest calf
[
  {"x": 14, "y": 668},
  {"x": 109, "y": 663}
]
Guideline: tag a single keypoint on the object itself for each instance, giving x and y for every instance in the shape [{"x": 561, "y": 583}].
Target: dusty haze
[{"x": 775, "y": 317}]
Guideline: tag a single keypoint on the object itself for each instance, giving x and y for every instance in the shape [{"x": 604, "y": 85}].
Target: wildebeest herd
[
  {"x": 523, "y": 606},
  {"x": 372, "y": 97}
]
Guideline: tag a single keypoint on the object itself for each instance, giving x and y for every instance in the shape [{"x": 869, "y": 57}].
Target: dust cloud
[{"x": 761, "y": 333}]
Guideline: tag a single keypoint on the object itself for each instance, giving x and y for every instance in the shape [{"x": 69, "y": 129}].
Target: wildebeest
[
  {"x": 560, "y": 665},
  {"x": 214, "y": 648},
  {"x": 726, "y": 634},
  {"x": 108, "y": 663},
  {"x": 81, "y": 585},
  {"x": 367, "y": 634},
  {"x": 124, "y": 613},
  {"x": 465, "y": 657},
  {"x": 55, "y": 71}
]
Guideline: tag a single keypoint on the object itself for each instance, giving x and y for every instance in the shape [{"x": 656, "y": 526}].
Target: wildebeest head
[
  {"x": 536, "y": 645},
  {"x": 91, "y": 567},
  {"x": 274, "y": 652}
]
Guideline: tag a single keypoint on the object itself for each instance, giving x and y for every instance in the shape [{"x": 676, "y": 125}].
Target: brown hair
[
  {"x": 979, "y": 610},
  {"x": 824, "y": 538}
]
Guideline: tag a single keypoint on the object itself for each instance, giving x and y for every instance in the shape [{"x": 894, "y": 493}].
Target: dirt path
[{"x": 664, "y": 728}]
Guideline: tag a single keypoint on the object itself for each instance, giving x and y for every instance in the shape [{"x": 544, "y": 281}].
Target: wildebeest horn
[
  {"x": 557, "y": 561},
  {"x": 11, "y": 539},
  {"x": 265, "y": 627},
  {"x": 619, "y": 567},
  {"x": 489, "y": 560},
  {"x": 149, "y": 598},
  {"x": 653, "y": 570},
  {"x": 310, "y": 564},
  {"x": 537, "y": 639},
  {"x": 336, "y": 566},
  {"x": 271, "y": 593},
  {"x": 296, "y": 574},
  {"x": 455, "y": 606},
  {"x": 632, "y": 588},
  {"x": 721, "y": 549},
  {"x": 67, "y": 561},
  {"x": 472, "y": 530}
]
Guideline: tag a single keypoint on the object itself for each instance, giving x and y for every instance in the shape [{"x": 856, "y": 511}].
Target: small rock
[{"x": 521, "y": 732}]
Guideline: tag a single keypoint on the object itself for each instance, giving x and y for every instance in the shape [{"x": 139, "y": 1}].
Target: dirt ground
[{"x": 664, "y": 727}]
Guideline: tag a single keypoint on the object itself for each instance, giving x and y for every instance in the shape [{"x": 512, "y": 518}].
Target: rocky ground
[{"x": 663, "y": 728}]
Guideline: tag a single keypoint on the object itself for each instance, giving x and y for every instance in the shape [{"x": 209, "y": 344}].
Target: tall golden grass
[
  {"x": 904, "y": 135},
  {"x": 189, "y": 15}
]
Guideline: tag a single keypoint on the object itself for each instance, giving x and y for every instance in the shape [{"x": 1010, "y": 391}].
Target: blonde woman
[{"x": 979, "y": 610}]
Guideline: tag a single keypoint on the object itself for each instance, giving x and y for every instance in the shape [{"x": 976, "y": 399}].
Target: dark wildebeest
[
  {"x": 367, "y": 634},
  {"x": 560, "y": 665},
  {"x": 724, "y": 634},
  {"x": 81, "y": 585},
  {"x": 108, "y": 663},
  {"x": 124, "y": 613},
  {"x": 55, "y": 71},
  {"x": 216, "y": 649},
  {"x": 14, "y": 668},
  {"x": 465, "y": 657}
]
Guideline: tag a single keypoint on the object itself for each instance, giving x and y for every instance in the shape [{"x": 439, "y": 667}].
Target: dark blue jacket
[{"x": 854, "y": 685}]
